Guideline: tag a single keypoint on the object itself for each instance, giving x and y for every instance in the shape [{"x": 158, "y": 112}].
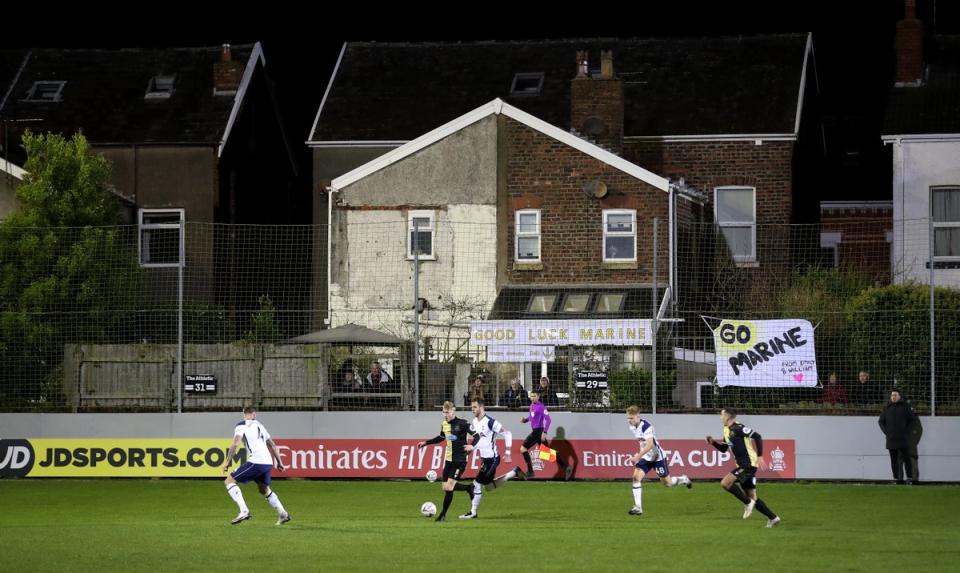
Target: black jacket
[{"x": 896, "y": 421}]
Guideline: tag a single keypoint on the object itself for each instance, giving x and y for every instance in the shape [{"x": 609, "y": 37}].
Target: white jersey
[
  {"x": 644, "y": 432},
  {"x": 255, "y": 438},
  {"x": 487, "y": 430}
]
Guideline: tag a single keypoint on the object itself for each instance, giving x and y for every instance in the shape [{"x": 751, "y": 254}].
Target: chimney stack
[
  {"x": 227, "y": 73},
  {"x": 596, "y": 103},
  {"x": 909, "y": 47}
]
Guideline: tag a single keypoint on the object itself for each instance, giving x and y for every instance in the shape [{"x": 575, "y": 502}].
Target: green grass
[{"x": 164, "y": 525}]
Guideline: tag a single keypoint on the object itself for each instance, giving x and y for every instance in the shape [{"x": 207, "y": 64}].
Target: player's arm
[
  {"x": 475, "y": 436},
  {"x": 757, "y": 446},
  {"x": 435, "y": 440},
  {"x": 717, "y": 444},
  {"x": 647, "y": 446},
  {"x": 276, "y": 454},
  {"x": 507, "y": 439},
  {"x": 546, "y": 423},
  {"x": 232, "y": 451}
]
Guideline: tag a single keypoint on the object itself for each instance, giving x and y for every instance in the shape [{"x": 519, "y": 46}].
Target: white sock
[
  {"x": 237, "y": 495},
  {"x": 684, "y": 480},
  {"x": 274, "y": 500},
  {"x": 477, "y": 494},
  {"x": 638, "y": 495}
]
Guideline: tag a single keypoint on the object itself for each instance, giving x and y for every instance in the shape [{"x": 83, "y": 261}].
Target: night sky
[{"x": 853, "y": 44}]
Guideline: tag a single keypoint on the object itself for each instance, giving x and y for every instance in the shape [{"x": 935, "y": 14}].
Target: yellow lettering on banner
[
  {"x": 563, "y": 334},
  {"x": 631, "y": 332},
  {"x": 146, "y": 457},
  {"x": 586, "y": 333},
  {"x": 609, "y": 333},
  {"x": 599, "y": 334}
]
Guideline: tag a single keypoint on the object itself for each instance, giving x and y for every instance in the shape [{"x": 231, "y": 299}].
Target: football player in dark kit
[
  {"x": 740, "y": 440},
  {"x": 454, "y": 431}
]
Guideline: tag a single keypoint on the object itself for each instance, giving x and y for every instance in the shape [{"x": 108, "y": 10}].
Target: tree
[{"x": 68, "y": 271}]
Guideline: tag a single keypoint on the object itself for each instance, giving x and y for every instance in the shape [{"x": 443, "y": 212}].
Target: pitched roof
[
  {"x": 934, "y": 106},
  {"x": 104, "y": 94},
  {"x": 497, "y": 107},
  {"x": 673, "y": 86},
  {"x": 348, "y": 333}
]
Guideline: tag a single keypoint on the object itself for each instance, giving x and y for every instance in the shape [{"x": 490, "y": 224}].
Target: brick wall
[
  {"x": 598, "y": 100},
  {"x": 863, "y": 244},
  {"x": 540, "y": 172}
]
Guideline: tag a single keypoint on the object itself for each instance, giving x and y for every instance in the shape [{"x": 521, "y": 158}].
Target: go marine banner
[{"x": 361, "y": 458}]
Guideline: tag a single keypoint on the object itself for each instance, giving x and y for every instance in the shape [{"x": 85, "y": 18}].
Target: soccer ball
[
  {"x": 431, "y": 475},
  {"x": 428, "y": 509}
]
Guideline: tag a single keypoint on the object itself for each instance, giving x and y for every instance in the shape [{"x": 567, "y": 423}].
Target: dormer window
[
  {"x": 527, "y": 84},
  {"x": 45, "y": 91},
  {"x": 160, "y": 86}
]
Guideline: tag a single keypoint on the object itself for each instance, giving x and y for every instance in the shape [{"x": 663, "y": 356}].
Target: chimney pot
[
  {"x": 582, "y": 64},
  {"x": 606, "y": 64}
]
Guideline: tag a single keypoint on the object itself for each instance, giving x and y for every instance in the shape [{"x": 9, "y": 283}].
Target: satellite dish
[{"x": 596, "y": 189}]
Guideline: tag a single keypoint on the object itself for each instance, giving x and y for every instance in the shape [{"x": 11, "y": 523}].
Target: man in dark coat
[{"x": 896, "y": 421}]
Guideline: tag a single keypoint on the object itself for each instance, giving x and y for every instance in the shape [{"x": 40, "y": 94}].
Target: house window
[
  {"x": 945, "y": 210},
  {"x": 160, "y": 237},
  {"x": 528, "y": 236},
  {"x": 575, "y": 303},
  {"x": 421, "y": 226},
  {"x": 610, "y": 302},
  {"x": 619, "y": 235},
  {"x": 541, "y": 303},
  {"x": 736, "y": 216},
  {"x": 160, "y": 87},
  {"x": 527, "y": 84},
  {"x": 45, "y": 91},
  {"x": 830, "y": 244}
]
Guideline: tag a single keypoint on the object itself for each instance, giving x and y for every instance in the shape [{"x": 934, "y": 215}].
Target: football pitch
[{"x": 183, "y": 525}]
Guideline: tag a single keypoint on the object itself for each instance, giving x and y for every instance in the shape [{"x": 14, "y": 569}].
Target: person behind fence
[
  {"x": 348, "y": 383},
  {"x": 547, "y": 395},
  {"x": 514, "y": 396},
  {"x": 477, "y": 389},
  {"x": 896, "y": 421},
  {"x": 378, "y": 380},
  {"x": 866, "y": 391},
  {"x": 833, "y": 392}
]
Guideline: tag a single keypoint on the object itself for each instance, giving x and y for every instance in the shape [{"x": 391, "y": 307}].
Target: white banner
[
  {"x": 765, "y": 353},
  {"x": 524, "y": 353},
  {"x": 619, "y": 332}
]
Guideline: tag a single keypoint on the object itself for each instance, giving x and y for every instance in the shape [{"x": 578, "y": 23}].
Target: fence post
[
  {"x": 653, "y": 323},
  {"x": 933, "y": 320},
  {"x": 416, "y": 315},
  {"x": 180, "y": 319}
]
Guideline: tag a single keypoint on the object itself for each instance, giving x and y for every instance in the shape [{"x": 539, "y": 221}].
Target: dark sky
[{"x": 853, "y": 40}]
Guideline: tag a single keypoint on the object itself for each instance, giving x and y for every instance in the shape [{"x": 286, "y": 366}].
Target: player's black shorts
[
  {"x": 747, "y": 477},
  {"x": 533, "y": 439},
  {"x": 488, "y": 470},
  {"x": 453, "y": 470}
]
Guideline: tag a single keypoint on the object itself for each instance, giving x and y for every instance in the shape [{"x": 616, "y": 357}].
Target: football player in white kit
[
  {"x": 261, "y": 453},
  {"x": 649, "y": 457},
  {"x": 485, "y": 430}
]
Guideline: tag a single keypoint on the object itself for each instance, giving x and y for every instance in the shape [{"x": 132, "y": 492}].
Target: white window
[
  {"x": 45, "y": 91},
  {"x": 160, "y": 87},
  {"x": 160, "y": 237},
  {"x": 619, "y": 235},
  {"x": 527, "y": 241},
  {"x": 421, "y": 226},
  {"x": 736, "y": 215},
  {"x": 945, "y": 210}
]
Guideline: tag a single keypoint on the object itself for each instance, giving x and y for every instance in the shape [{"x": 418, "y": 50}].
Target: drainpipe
[{"x": 328, "y": 320}]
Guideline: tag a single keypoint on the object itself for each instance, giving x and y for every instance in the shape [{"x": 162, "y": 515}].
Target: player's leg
[
  {"x": 638, "y": 472},
  {"x": 746, "y": 480},
  {"x": 729, "y": 483},
  {"x": 668, "y": 480},
  {"x": 451, "y": 473},
  {"x": 484, "y": 476},
  {"x": 232, "y": 483},
  {"x": 531, "y": 440},
  {"x": 516, "y": 472},
  {"x": 896, "y": 466},
  {"x": 762, "y": 507},
  {"x": 263, "y": 484},
  {"x": 907, "y": 464}
]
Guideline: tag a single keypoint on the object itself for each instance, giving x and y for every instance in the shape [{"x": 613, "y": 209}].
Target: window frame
[
  {"x": 141, "y": 227},
  {"x": 432, "y": 228},
  {"x": 57, "y": 96},
  {"x": 942, "y": 225},
  {"x": 717, "y": 191},
  {"x": 518, "y": 234},
  {"x": 633, "y": 223}
]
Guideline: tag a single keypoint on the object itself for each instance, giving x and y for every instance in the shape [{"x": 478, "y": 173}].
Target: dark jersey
[
  {"x": 455, "y": 433},
  {"x": 737, "y": 438}
]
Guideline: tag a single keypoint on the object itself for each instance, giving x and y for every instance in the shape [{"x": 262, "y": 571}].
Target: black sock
[
  {"x": 526, "y": 458},
  {"x": 762, "y": 508},
  {"x": 464, "y": 487},
  {"x": 738, "y": 493},
  {"x": 447, "y": 499}
]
